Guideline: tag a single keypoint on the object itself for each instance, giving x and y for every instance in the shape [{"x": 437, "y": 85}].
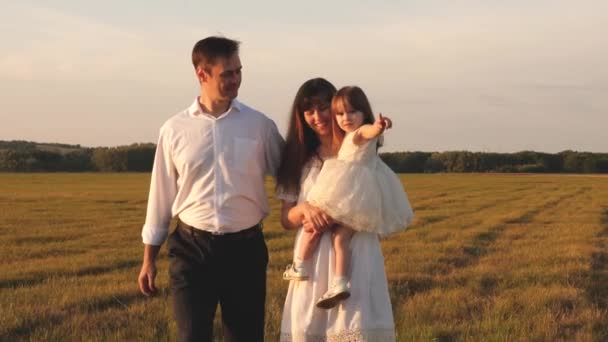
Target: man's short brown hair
[{"x": 208, "y": 50}]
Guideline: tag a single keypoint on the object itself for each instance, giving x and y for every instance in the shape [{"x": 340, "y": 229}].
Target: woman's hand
[
  {"x": 310, "y": 228},
  {"x": 294, "y": 216},
  {"x": 314, "y": 219}
]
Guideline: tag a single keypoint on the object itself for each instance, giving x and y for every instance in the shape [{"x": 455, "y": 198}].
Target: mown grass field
[{"x": 496, "y": 257}]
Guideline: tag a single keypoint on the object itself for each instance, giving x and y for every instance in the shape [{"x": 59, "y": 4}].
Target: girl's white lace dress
[{"x": 361, "y": 191}]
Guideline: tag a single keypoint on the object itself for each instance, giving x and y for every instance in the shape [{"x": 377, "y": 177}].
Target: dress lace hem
[{"x": 358, "y": 335}]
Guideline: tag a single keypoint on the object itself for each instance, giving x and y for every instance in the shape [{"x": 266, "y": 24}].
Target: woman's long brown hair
[{"x": 302, "y": 142}]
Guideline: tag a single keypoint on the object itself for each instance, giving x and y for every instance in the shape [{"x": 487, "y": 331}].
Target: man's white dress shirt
[{"x": 211, "y": 171}]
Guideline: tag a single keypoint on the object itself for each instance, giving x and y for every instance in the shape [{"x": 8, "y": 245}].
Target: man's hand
[
  {"x": 146, "y": 279},
  {"x": 148, "y": 270}
]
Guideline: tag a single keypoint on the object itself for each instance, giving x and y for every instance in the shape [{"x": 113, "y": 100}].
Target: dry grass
[{"x": 489, "y": 257}]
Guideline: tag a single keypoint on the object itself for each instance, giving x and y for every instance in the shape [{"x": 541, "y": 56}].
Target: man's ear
[{"x": 201, "y": 74}]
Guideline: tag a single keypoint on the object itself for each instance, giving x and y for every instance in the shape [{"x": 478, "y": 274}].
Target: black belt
[{"x": 242, "y": 234}]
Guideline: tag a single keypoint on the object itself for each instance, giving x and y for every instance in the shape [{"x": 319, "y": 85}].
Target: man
[{"x": 209, "y": 171}]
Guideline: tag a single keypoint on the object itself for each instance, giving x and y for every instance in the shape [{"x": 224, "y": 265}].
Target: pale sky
[{"x": 490, "y": 76}]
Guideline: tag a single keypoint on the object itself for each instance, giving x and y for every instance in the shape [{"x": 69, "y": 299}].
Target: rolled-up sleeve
[
  {"x": 273, "y": 146},
  {"x": 163, "y": 189}
]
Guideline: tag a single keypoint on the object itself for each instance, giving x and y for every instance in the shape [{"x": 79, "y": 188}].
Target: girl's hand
[
  {"x": 383, "y": 123},
  {"x": 370, "y": 131}
]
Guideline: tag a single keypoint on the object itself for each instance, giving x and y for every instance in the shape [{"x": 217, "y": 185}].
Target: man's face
[{"x": 221, "y": 81}]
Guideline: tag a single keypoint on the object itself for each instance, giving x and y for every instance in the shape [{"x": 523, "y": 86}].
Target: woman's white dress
[
  {"x": 366, "y": 316},
  {"x": 359, "y": 190}
]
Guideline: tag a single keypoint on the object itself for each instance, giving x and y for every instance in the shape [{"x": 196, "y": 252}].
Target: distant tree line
[
  {"x": 526, "y": 161},
  {"x": 33, "y": 157},
  {"x": 24, "y": 156}
]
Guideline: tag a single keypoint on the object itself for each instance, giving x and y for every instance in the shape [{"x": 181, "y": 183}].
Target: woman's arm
[
  {"x": 293, "y": 215},
  {"x": 369, "y": 131},
  {"x": 289, "y": 216}
]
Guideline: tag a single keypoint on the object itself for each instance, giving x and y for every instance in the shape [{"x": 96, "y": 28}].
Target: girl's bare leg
[
  {"x": 306, "y": 246},
  {"x": 341, "y": 239},
  {"x": 308, "y": 243},
  {"x": 339, "y": 290}
]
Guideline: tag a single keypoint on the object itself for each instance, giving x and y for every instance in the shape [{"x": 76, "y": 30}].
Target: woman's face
[{"x": 319, "y": 119}]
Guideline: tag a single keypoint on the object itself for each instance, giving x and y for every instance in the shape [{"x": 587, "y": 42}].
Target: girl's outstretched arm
[{"x": 369, "y": 131}]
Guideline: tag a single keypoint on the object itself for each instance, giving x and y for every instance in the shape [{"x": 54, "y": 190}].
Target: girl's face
[
  {"x": 319, "y": 119},
  {"x": 347, "y": 118}
]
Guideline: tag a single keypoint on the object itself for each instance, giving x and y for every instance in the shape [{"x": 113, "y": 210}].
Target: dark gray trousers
[{"x": 207, "y": 269}]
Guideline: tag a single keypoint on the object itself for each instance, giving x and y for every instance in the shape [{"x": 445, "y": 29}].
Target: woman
[{"x": 367, "y": 314}]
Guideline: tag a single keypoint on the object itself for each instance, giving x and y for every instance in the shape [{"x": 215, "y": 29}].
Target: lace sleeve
[
  {"x": 285, "y": 195},
  {"x": 291, "y": 196}
]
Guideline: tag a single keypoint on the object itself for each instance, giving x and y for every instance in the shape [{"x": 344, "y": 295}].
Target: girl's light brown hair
[{"x": 357, "y": 100}]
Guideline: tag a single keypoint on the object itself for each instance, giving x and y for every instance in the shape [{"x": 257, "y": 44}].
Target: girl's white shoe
[
  {"x": 337, "y": 293},
  {"x": 293, "y": 273}
]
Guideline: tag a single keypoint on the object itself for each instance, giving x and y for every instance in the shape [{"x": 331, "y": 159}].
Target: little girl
[{"x": 357, "y": 189}]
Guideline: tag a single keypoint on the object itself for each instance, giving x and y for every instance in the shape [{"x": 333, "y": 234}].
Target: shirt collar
[{"x": 196, "y": 110}]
